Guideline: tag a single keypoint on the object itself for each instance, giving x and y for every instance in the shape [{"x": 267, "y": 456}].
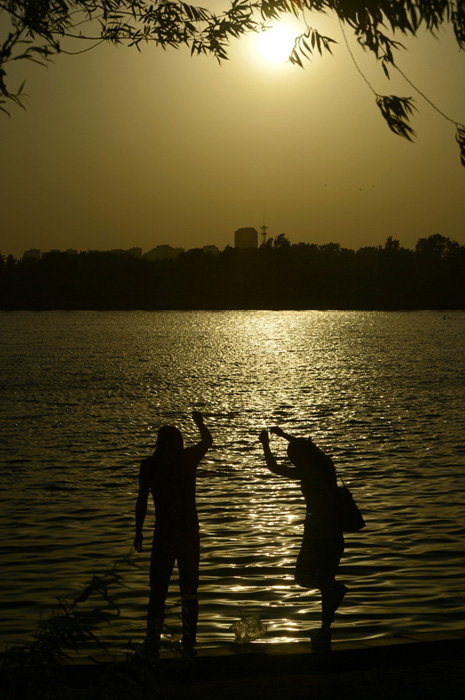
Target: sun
[{"x": 275, "y": 44}]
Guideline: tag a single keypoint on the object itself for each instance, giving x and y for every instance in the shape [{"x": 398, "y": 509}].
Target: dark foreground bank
[{"x": 422, "y": 666}]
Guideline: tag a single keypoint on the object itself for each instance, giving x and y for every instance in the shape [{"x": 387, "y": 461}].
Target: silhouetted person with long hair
[
  {"x": 170, "y": 474},
  {"x": 323, "y": 541}
]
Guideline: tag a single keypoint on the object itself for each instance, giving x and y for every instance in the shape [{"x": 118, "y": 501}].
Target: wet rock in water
[{"x": 248, "y": 628}]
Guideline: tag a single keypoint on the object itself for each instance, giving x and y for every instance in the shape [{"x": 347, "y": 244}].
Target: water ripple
[{"x": 83, "y": 395}]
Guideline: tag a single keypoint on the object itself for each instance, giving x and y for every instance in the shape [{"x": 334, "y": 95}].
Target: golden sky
[{"x": 118, "y": 148}]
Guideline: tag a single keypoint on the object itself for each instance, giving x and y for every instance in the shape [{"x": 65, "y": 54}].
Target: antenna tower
[{"x": 263, "y": 230}]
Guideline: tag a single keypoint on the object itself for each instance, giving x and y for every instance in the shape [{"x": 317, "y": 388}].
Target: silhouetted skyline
[
  {"x": 277, "y": 275},
  {"x": 118, "y": 149}
]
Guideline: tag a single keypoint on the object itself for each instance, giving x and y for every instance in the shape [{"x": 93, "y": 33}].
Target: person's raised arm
[
  {"x": 280, "y": 433},
  {"x": 206, "y": 438},
  {"x": 273, "y": 466},
  {"x": 141, "y": 505}
]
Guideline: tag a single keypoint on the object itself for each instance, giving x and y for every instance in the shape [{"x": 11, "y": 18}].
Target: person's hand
[
  {"x": 138, "y": 539},
  {"x": 264, "y": 438},
  {"x": 277, "y": 431},
  {"x": 197, "y": 417}
]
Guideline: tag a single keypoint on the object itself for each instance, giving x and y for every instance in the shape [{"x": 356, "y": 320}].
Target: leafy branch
[
  {"x": 396, "y": 111},
  {"x": 32, "y": 670},
  {"x": 36, "y": 29},
  {"x": 460, "y": 138},
  {"x": 71, "y": 625},
  {"x": 306, "y": 44},
  {"x": 44, "y": 26}
]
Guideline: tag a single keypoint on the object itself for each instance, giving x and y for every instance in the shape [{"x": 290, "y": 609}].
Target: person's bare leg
[
  {"x": 331, "y": 598},
  {"x": 188, "y": 563},
  {"x": 161, "y": 567}
]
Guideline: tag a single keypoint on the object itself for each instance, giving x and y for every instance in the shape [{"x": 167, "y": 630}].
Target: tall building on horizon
[{"x": 246, "y": 238}]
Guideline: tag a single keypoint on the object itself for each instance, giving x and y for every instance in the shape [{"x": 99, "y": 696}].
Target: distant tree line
[{"x": 277, "y": 275}]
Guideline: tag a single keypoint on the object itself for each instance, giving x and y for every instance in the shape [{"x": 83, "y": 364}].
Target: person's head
[
  {"x": 169, "y": 439},
  {"x": 301, "y": 451}
]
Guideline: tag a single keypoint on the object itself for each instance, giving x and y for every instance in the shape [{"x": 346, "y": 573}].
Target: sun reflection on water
[{"x": 360, "y": 384}]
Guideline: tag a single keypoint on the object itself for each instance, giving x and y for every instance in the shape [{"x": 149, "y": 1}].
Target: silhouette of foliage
[
  {"x": 31, "y": 669},
  {"x": 37, "y": 30},
  {"x": 281, "y": 241},
  {"x": 458, "y": 21},
  {"x": 36, "y": 669},
  {"x": 460, "y": 136},
  {"x": 396, "y": 111},
  {"x": 306, "y": 43}
]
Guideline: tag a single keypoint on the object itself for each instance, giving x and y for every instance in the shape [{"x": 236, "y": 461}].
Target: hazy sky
[{"x": 119, "y": 148}]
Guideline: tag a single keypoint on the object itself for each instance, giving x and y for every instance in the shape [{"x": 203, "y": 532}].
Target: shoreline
[
  {"x": 405, "y": 667},
  {"x": 281, "y": 655}
]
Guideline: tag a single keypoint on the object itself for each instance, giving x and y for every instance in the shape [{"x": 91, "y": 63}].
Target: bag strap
[{"x": 338, "y": 476}]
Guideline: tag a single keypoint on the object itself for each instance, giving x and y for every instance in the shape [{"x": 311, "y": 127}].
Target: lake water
[{"x": 83, "y": 394}]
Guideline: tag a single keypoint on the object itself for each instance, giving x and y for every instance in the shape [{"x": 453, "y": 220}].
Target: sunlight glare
[{"x": 274, "y": 45}]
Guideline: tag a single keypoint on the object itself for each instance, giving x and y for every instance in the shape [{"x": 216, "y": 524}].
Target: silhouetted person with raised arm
[
  {"x": 323, "y": 542},
  {"x": 170, "y": 474}
]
